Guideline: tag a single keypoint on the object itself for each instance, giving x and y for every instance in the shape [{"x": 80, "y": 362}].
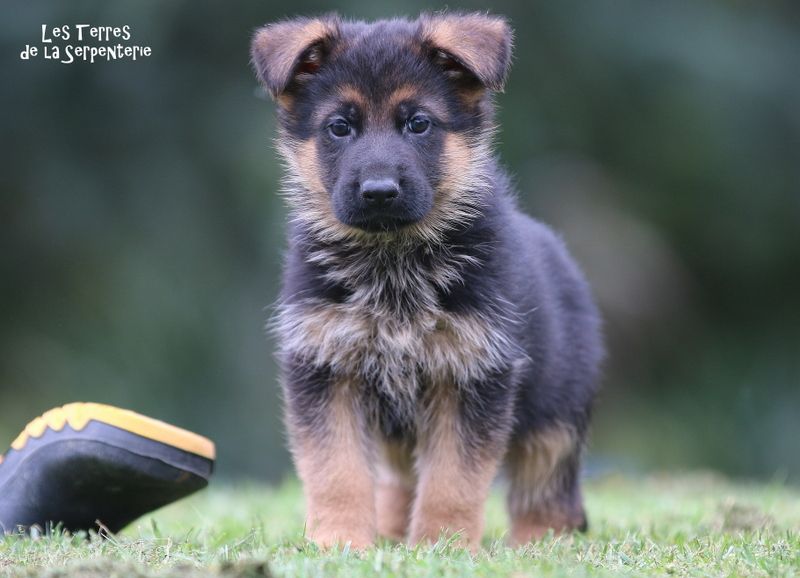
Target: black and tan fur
[{"x": 429, "y": 332}]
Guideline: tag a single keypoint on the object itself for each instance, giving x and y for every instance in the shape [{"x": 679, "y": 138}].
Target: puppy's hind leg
[
  {"x": 544, "y": 493},
  {"x": 394, "y": 490}
]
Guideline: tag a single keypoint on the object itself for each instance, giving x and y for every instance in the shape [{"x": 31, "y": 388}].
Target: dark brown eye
[
  {"x": 339, "y": 128},
  {"x": 418, "y": 124}
]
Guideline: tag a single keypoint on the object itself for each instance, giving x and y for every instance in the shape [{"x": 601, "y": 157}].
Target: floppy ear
[
  {"x": 476, "y": 43},
  {"x": 291, "y": 50}
]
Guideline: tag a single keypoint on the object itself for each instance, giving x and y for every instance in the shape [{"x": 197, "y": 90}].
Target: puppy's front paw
[
  {"x": 328, "y": 537},
  {"x": 460, "y": 532}
]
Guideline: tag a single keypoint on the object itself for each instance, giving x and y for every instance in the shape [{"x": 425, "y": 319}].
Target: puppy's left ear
[
  {"x": 475, "y": 44},
  {"x": 292, "y": 50}
]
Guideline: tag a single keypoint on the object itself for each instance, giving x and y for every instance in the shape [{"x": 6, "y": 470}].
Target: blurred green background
[{"x": 141, "y": 233}]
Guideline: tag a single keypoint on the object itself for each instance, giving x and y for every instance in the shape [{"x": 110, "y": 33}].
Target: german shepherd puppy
[{"x": 429, "y": 331}]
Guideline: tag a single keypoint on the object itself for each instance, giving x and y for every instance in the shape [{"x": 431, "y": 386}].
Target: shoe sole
[{"x": 88, "y": 466}]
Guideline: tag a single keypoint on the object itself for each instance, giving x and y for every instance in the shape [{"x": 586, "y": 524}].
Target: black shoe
[{"x": 87, "y": 465}]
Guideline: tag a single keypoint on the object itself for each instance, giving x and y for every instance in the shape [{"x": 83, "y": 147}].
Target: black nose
[{"x": 380, "y": 192}]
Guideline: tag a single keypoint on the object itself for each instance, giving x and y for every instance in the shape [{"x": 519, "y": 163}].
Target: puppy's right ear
[{"x": 291, "y": 50}]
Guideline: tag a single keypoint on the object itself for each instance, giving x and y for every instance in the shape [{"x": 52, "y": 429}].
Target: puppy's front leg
[
  {"x": 456, "y": 461},
  {"x": 328, "y": 441}
]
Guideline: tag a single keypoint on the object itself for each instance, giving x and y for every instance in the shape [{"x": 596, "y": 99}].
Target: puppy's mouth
[{"x": 381, "y": 222}]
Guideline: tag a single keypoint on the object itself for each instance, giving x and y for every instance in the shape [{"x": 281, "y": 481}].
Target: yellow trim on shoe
[{"x": 77, "y": 415}]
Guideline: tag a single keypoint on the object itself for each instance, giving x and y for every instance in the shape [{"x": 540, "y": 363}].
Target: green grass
[{"x": 695, "y": 525}]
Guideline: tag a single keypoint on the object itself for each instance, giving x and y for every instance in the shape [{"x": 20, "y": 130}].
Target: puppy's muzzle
[{"x": 379, "y": 193}]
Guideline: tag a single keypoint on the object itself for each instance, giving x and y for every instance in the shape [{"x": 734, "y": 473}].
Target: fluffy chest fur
[{"x": 391, "y": 332}]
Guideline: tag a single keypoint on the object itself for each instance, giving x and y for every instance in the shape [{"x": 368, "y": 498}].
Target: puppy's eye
[
  {"x": 418, "y": 124},
  {"x": 340, "y": 128}
]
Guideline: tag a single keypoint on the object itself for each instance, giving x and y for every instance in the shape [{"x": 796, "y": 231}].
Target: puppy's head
[{"x": 385, "y": 127}]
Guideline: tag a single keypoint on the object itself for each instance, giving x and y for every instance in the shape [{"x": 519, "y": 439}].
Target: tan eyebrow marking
[
  {"x": 401, "y": 94},
  {"x": 352, "y": 94},
  {"x": 345, "y": 93},
  {"x": 409, "y": 92}
]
